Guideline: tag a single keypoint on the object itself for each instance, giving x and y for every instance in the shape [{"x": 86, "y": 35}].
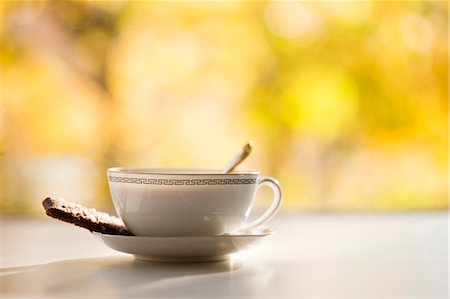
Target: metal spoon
[{"x": 239, "y": 157}]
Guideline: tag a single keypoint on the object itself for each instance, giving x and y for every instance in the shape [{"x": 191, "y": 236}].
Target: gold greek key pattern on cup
[{"x": 146, "y": 181}]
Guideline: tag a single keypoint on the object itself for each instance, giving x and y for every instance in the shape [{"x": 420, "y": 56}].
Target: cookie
[{"x": 79, "y": 215}]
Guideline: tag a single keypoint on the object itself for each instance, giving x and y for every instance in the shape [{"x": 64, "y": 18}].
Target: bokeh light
[{"x": 346, "y": 101}]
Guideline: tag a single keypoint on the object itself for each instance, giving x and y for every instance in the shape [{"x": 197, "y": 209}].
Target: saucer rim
[{"x": 268, "y": 231}]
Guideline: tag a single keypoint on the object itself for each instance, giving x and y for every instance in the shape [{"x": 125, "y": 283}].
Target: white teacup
[{"x": 188, "y": 202}]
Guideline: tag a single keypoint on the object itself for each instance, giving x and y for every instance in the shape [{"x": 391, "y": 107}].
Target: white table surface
[{"x": 361, "y": 255}]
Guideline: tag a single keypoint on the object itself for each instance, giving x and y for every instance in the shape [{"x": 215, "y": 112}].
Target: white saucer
[{"x": 185, "y": 249}]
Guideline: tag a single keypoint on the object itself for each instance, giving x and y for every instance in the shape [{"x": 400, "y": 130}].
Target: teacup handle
[{"x": 274, "y": 207}]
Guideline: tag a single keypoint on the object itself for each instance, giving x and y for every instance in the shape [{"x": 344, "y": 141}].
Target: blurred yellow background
[{"x": 346, "y": 101}]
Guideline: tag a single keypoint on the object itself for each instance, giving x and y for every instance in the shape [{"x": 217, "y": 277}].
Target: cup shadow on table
[{"x": 124, "y": 276}]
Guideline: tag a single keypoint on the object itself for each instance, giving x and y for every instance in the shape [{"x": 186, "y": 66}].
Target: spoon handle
[{"x": 239, "y": 157}]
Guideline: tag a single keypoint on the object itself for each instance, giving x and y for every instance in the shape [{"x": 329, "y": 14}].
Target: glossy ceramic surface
[
  {"x": 184, "y": 249},
  {"x": 183, "y": 202}
]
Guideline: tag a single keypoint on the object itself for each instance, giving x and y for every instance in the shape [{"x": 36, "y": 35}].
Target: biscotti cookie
[{"x": 79, "y": 215}]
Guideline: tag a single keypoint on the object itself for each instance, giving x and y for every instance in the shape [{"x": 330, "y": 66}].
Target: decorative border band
[{"x": 117, "y": 179}]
